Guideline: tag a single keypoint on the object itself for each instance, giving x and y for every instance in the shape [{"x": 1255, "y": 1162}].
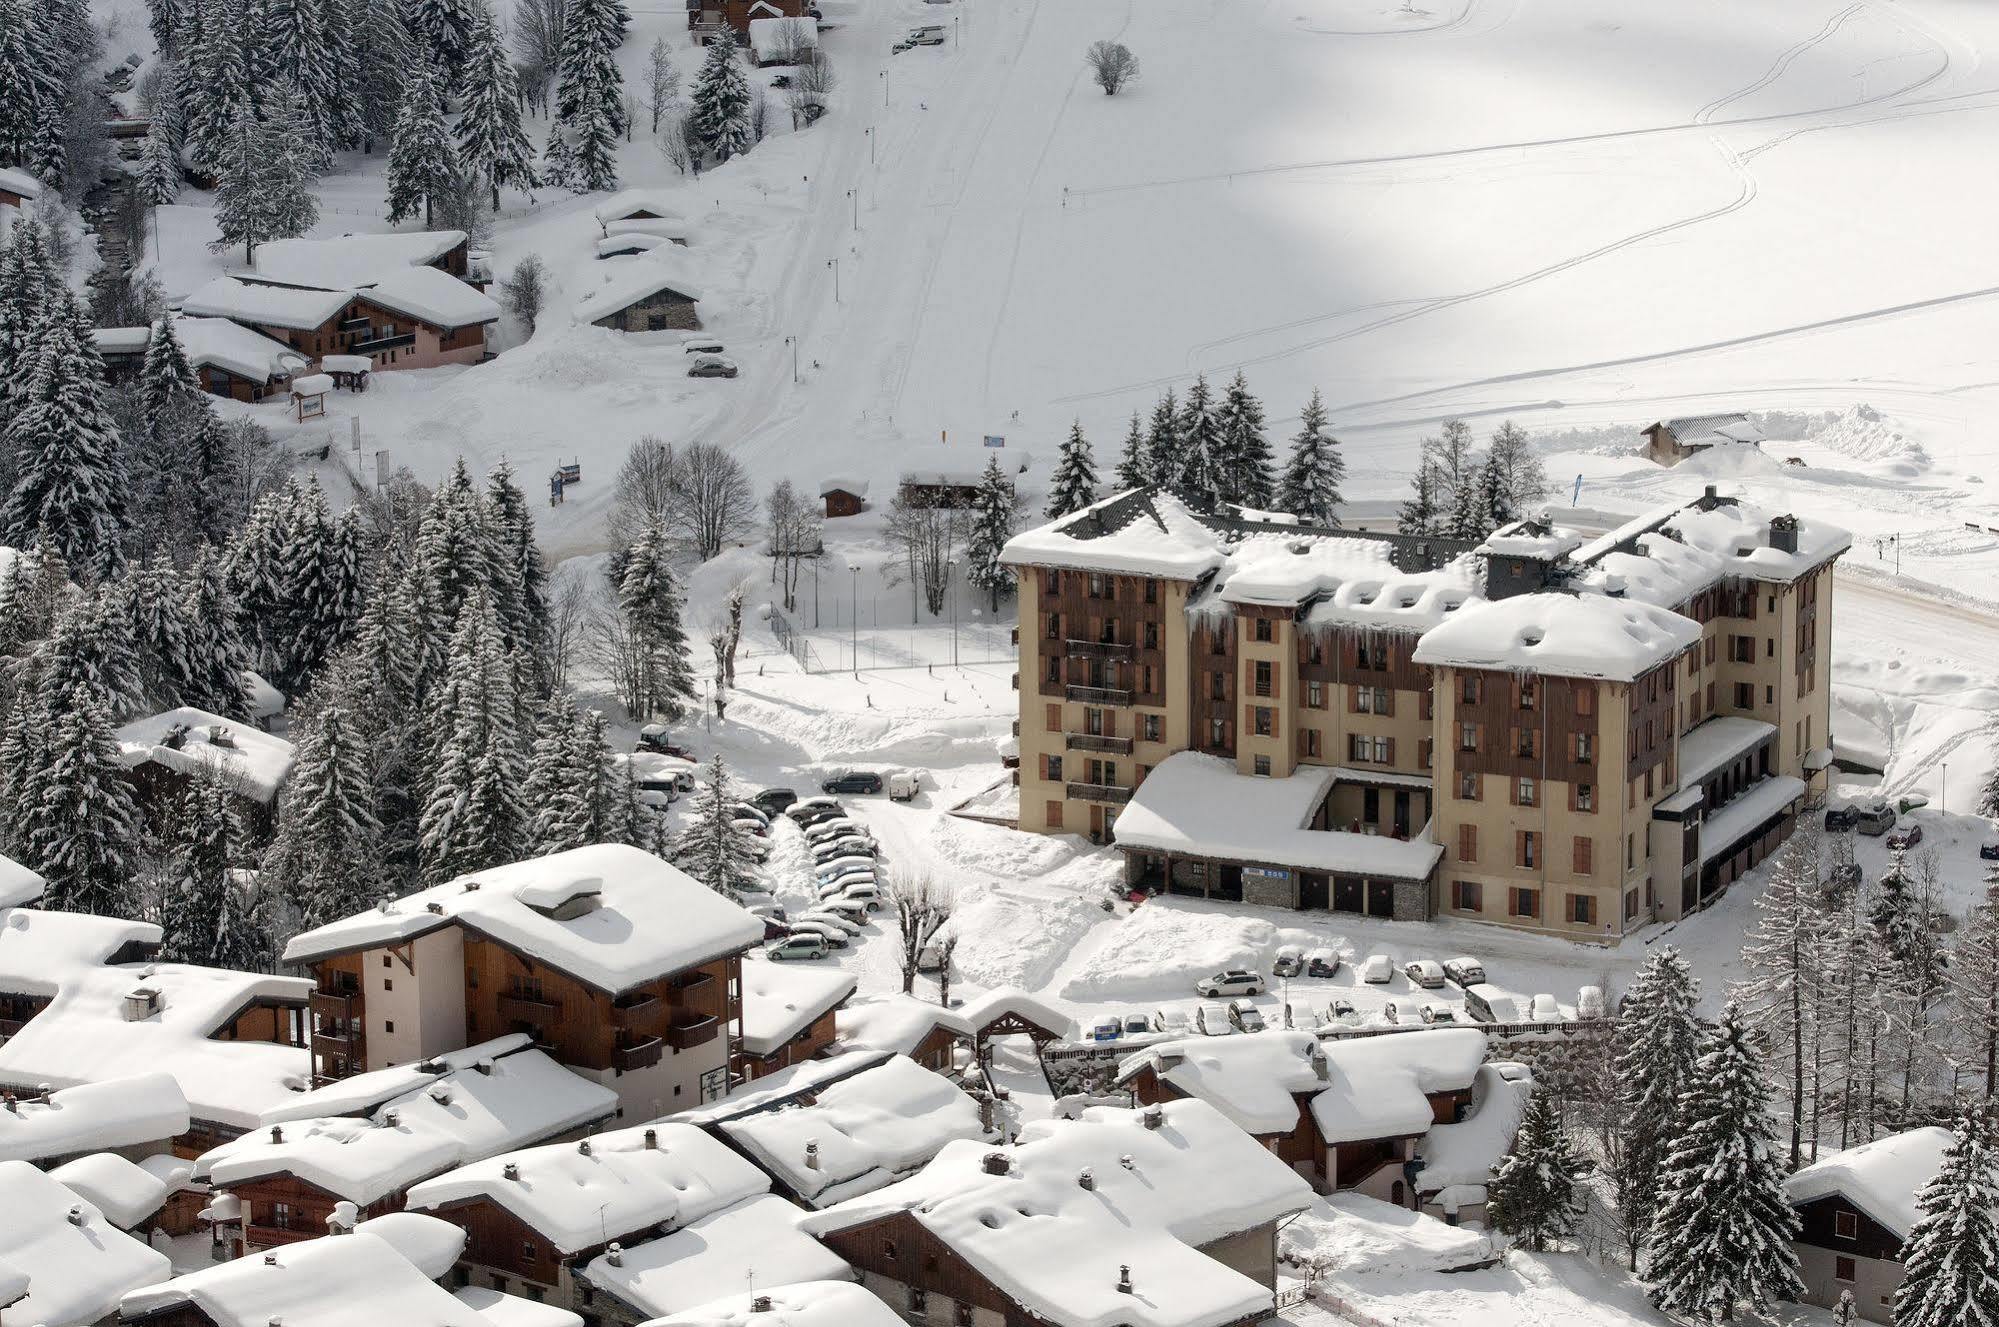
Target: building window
[
  {"x": 1468, "y": 689},
  {"x": 1152, "y": 635},
  {"x": 1467, "y": 843},
  {"x": 1264, "y": 717},
  {"x": 1582, "y": 909},
  {"x": 1585, "y": 856},
  {"x": 1467, "y": 896},
  {"x": 1585, "y": 700},
  {"x": 1055, "y": 769},
  {"x": 1527, "y": 743},
  {"x": 1745, "y": 696},
  {"x": 1261, "y": 765},
  {"x": 1467, "y": 786},
  {"x": 919, "y": 1300},
  {"x": 1585, "y": 797},
  {"x": 961, "y": 1315},
  {"x": 1315, "y": 695},
  {"x": 1585, "y": 748},
  {"x": 1524, "y": 902},
  {"x": 1842, "y": 1269},
  {"x": 1526, "y": 693},
  {"x": 1149, "y": 724},
  {"x": 1467, "y": 737},
  {"x": 1315, "y": 651},
  {"x": 1846, "y": 1225},
  {"x": 1528, "y": 853},
  {"x": 385, "y": 960},
  {"x": 1263, "y": 680},
  {"x": 389, "y": 1025},
  {"x": 1263, "y": 631},
  {"x": 1311, "y": 742},
  {"x": 1151, "y": 591},
  {"x": 888, "y": 1250},
  {"x": 1384, "y": 751},
  {"x": 1098, "y": 586},
  {"x": 529, "y": 1251},
  {"x": 1525, "y": 792},
  {"x": 1217, "y": 732},
  {"x": 281, "y": 1216}
]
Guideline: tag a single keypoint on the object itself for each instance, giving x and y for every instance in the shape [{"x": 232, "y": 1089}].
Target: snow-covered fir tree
[
  {"x": 215, "y": 657},
  {"x": 325, "y": 859},
  {"x": 1074, "y": 485},
  {"x": 20, "y": 91},
  {"x": 721, "y": 101},
  {"x": 91, "y": 649},
  {"x": 711, "y": 847},
  {"x": 1903, "y": 915},
  {"x": 70, "y": 481},
  {"x": 1950, "y": 1261},
  {"x": 151, "y": 606},
  {"x": 1467, "y": 519},
  {"x": 995, "y": 512},
  {"x": 1162, "y": 442},
  {"x": 473, "y": 817},
  {"x": 1133, "y": 469},
  {"x": 493, "y": 143},
  {"x": 159, "y": 170},
  {"x": 75, "y": 821},
  {"x": 423, "y": 164},
  {"x": 445, "y": 29},
  {"x": 1310, "y": 486},
  {"x": 28, "y": 281},
  {"x": 1536, "y": 1192},
  {"x": 207, "y": 915},
  {"x": 1722, "y": 1234},
  {"x": 166, "y": 376},
  {"x": 1198, "y": 480},
  {"x": 519, "y": 577},
  {"x": 1242, "y": 465},
  {"x": 317, "y": 586},
  {"x": 219, "y": 77},
  {"x": 582, "y": 152},
  {"x": 457, "y": 546},
  {"x": 1784, "y": 952},
  {"x": 1656, "y": 1046},
  {"x": 263, "y": 185},
  {"x": 649, "y": 599},
  {"x": 295, "y": 40},
  {"x": 574, "y": 787},
  {"x": 378, "y": 65},
  {"x": 1974, "y": 981},
  {"x": 167, "y": 19},
  {"x": 1421, "y": 514}
]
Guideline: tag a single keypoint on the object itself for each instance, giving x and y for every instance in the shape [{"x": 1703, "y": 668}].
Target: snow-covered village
[{"x": 994, "y": 663}]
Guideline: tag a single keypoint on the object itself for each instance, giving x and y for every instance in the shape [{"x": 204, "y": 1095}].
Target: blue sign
[
  {"x": 1573, "y": 497},
  {"x": 994, "y": 440}
]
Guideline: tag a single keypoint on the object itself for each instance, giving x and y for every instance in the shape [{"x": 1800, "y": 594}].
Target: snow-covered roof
[
  {"x": 1197, "y": 804},
  {"x": 780, "y": 1000},
  {"x": 1740, "y": 536},
  {"x": 1055, "y": 1244},
  {"x": 90, "y": 1031},
  {"x": 625, "y": 242},
  {"x": 1136, "y": 532},
  {"x": 778, "y": 36},
  {"x": 658, "y": 229},
  {"x": 1379, "y": 1085},
  {"x": 1707, "y": 746},
  {"x": 896, "y": 1023},
  {"x": 628, "y": 202},
  {"x": 755, "y": 1241},
  {"x": 300, "y": 309},
  {"x": 1531, "y": 537},
  {"x": 359, "y": 1094},
  {"x": 581, "y": 1196},
  {"x": 76, "y": 1263},
  {"x": 1882, "y": 1178},
  {"x": 1254, "y": 1081},
  {"x": 432, "y": 296},
  {"x": 1713, "y": 430},
  {"x": 121, "y": 340},
  {"x": 1725, "y": 827},
  {"x": 1465, "y": 1153},
  {"x": 19, "y": 886},
  {"x": 127, "y": 1192},
  {"x": 830, "y": 485},
  {"x": 132, "y": 1111},
  {"x": 649, "y": 919},
  {"x": 312, "y": 384},
  {"x": 1352, "y": 578},
  {"x": 348, "y": 261},
  {"x": 220, "y": 343},
  {"x": 195, "y": 742},
  {"x": 16, "y": 181},
  {"x": 945, "y": 476},
  {"x": 462, "y": 1116},
  {"x": 623, "y": 282},
  {"x": 502, "y": 1310},
  {"x": 346, "y": 363},
  {"x": 368, "y": 1276},
  {"x": 1667, "y": 555},
  {"x": 1563, "y": 634},
  {"x": 1001, "y": 1001},
  {"x": 859, "y": 1133},
  {"x": 806, "y": 1304}
]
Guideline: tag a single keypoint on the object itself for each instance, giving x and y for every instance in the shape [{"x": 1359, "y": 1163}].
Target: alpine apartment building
[{"x": 1541, "y": 731}]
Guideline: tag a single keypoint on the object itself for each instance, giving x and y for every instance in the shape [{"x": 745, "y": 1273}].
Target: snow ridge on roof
[
  {"x": 780, "y": 1000},
  {"x": 1882, "y": 1178},
  {"x": 126, "y": 1192},
  {"x": 296, "y": 308},
  {"x": 1379, "y": 1086},
  {"x": 75, "y": 1272},
  {"x": 805, "y": 1304},
  {"x": 432, "y": 296},
  {"x": 1563, "y": 634},
  {"x": 19, "y": 886},
  {"x": 1254, "y": 1081},
  {"x": 346, "y": 261},
  {"x": 623, "y": 282},
  {"x": 111, "y": 1113},
  {"x": 758, "y": 1238}
]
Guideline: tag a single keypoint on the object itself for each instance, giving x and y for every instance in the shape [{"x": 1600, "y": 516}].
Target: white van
[
  {"x": 1489, "y": 1004},
  {"x": 903, "y": 787}
]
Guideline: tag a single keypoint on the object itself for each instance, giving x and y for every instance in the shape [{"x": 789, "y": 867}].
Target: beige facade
[{"x": 415, "y": 998}]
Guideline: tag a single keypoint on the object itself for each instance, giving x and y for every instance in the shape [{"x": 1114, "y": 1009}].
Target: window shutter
[{"x": 1391, "y": 751}]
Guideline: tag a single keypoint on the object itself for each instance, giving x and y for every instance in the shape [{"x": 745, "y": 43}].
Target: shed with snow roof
[
  {"x": 1855, "y": 1209},
  {"x": 646, "y": 294},
  {"x": 1670, "y": 441},
  {"x": 844, "y": 497}
]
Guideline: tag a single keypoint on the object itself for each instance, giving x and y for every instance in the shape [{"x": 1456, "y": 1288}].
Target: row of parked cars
[
  {"x": 1874, "y": 821},
  {"x": 1483, "y": 1002},
  {"x": 845, "y": 876}
]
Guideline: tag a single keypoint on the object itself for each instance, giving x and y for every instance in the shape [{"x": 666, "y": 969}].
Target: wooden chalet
[{"x": 1856, "y": 1208}]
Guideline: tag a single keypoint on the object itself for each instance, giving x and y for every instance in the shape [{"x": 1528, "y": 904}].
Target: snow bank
[
  {"x": 1352, "y": 1232},
  {"x": 1167, "y": 945}
]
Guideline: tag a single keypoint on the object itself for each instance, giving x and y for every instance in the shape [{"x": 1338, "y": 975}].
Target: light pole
[
  {"x": 855, "y": 199},
  {"x": 854, "y": 614},
  {"x": 792, "y": 341},
  {"x": 834, "y": 263},
  {"x": 1944, "y": 792},
  {"x": 884, "y": 89},
  {"x": 870, "y": 131},
  {"x": 951, "y": 585}
]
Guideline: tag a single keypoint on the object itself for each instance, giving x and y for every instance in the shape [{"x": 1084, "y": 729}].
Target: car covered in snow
[
  {"x": 1246, "y": 1016},
  {"x": 851, "y": 845},
  {"x": 852, "y": 781},
  {"x": 1489, "y": 1004},
  {"x": 827, "y": 872},
  {"x": 842, "y": 884},
  {"x": 1545, "y": 1009},
  {"x": 863, "y": 892},
  {"x": 711, "y": 366},
  {"x": 1342, "y": 1011},
  {"x": 843, "y": 905},
  {"x": 1211, "y": 1019},
  {"x": 824, "y": 830},
  {"x": 1906, "y": 837},
  {"x": 1427, "y": 973},
  {"x": 1172, "y": 1022},
  {"x": 1377, "y": 970},
  {"x": 812, "y": 806},
  {"x": 1589, "y": 1002},
  {"x": 1290, "y": 961},
  {"x": 1391, "y": 1012},
  {"x": 1322, "y": 963},
  {"x": 1302, "y": 1018},
  {"x": 1875, "y": 820},
  {"x": 1136, "y": 1023},
  {"x": 903, "y": 787},
  {"x": 1464, "y": 970},
  {"x": 1234, "y": 981},
  {"x": 834, "y": 936},
  {"x": 703, "y": 346},
  {"x": 799, "y": 944},
  {"x": 1432, "y": 1012}
]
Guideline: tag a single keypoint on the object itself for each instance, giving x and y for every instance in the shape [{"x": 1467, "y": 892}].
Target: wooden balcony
[
  {"x": 694, "y": 1032},
  {"x": 382, "y": 344},
  {"x": 1098, "y": 695},
  {"x": 635, "y": 1010},
  {"x": 335, "y": 1006},
  {"x": 1097, "y": 742},
  {"x": 521, "y": 1009},
  {"x": 698, "y": 979},
  {"x": 641, "y": 1055},
  {"x": 1099, "y": 649},
  {"x": 1099, "y": 792},
  {"x": 350, "y": 1046}
]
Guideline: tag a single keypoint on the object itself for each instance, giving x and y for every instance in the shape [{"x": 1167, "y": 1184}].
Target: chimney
[
  {"x": 584, "y": 1147},
  {"x": 76, "y": 1215},
  {"x": 614, "y": 1254},
  {"x": 1320, "y": 1068},
  {"x": 392, "y": 1117},
  {"x": 441, "y": 1093},
  {"x": 13, "y": 1106},
  {"x": 652, "y": 1140},
  {"x": 812, "y": 1154},
  {"x": 220, "y": 736},
  {"x": 485, "y": 1067},
  {"x": 1123, "y": 1279},
  {"x": 270, "y": 1260},
  {"x": 998, "y": 1163},
  {"x": 434, "y": 906},
  {"x": 343, "y": 1218},
  {"x": 277, "y": 1133},
  {"x": 1086, "y": 1180},
  {"x": 761, "y": 1304},
  {"x": 1127, "y": 1162},
  {"x": 510, "y": 1171},
  {"x": 1613, "y": 585},
  {"x": 1784, "y": 533},
  {"x": 1153, "y": 1117},
  {"x": 1167, "y": 1061}
]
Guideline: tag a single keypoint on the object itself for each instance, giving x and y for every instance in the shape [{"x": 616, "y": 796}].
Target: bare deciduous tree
[
  {"x": 568, "y": 615},
  {"x": 1112, "y": 64},
  {"x": 525, "y": 290},
  {"x": 716, "y": 502},
  {"x": 662, "y": 81},
  {"x": 648, "y": 491},
  {"x": 925, "y": 540},
  {"x": 537, "y": 37},
  {"x": 921, "y": 909},
  {"x": 811, "y": 84},
  {"x": 673, "y": 144},
  {"x": 792, "y": 524}
]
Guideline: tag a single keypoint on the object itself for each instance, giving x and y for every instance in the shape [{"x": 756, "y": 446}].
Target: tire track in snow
[
  {"x": 1780, "y": 65},
  {"x": 1448, "y": 25}
]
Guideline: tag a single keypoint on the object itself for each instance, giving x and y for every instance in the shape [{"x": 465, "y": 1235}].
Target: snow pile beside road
[
  {"x": 1166, "y": 946},
  {"x": 1011, "y": 939},
  {"x": 1861, "y": 433}
]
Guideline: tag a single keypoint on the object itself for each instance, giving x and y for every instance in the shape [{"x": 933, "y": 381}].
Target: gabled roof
[
  {"x": 19, "y": 182},
  {"x": 346, "y": 261},
  {"x": 1882, "y": 1178},
  {"x": 627, "y": 202},
  {"x": 434, "y": 297},
  {"x": 610, "y": 916},
  {"x": 19, "y": 886},
  {"x": 196, "y": 743},
  {"x": 781, "y": 1000},
  {"x": 805, "y": 1304},
  {"x": 266, "y": 305},
  {"x": 220, "y": 343},
  {"x": 1378, "y": 1086},
  {"x": 1712, "y": 430},
  {"x": 1254, "y": 1081},
  {"x": 756, "y": 1241},
  {"x": 623, "y": 282}
]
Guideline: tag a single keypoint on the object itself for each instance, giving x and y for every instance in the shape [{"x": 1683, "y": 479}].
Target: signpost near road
[{"x": 995, "y": 440}]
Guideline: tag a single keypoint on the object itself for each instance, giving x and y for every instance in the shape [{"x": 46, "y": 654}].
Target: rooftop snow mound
[
  {"x": 1464, "y": 1153},
  {"x": 220, "y": 343},
  {"x": 1347, "y": 580},
  {"x": 807, "y": 1304},
  {"x": 1882, "y": 1178},
  {"x": 651, "y": 919},
  {"x": 1078, "y": 1200},
  {"x": 196, "y": 743},
  {"x": 1379, "y": 1085},
  {"x": 19, "y": 886},
  {"x": 125, "y": 1191},
  {"x": 1714, "y": 430},
  {"x": 133, "y": 1111},
  {"x": 1137, "y": 532},
  {"x": 291, "y": 307},
  {"x": 1561, "y": 634},
  {"x": 361, "y": 1093},
  {"x": 1254, "y": 1081},
  {"x": 629, "y": 203},
  {"x": 781, "y": 1000},
  {"x": 345, "y": 262},
  {"x": 75, "y": 1264},
  {"x": 434, "y": 297},
  {"x": 623, "y": 282},
  {"x": 1531, "y": 537},
  {"x": 757, "y": 1240}
]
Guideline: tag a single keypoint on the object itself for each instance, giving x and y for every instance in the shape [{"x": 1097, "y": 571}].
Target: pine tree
[
  {"x": 1162, "y": 443},
  {"x": 28, "y": 282},
  {"x": 1467, "y": 520},
  {"x": 346, "y": 115},
  {"x": 1132, "y": 468},
  {"x": 1904, "y": 921},
  {"x": 423, "y": 165},
  {"x": 1310, "y": 488},
  {"x": 220, "y": 79},
  {"x": 166, "y": 375},
  {"x": 1243, "y": 458},
  {"x": 1536, "y": 1189},
  {"x": 90, "y": 649},
  {"x": 151, "y": 605},
  {"x": 69, "y": 473},
  {"x": 159, "y": 170},
  {"x": 324, "y": 859},
  {"x": 263, "y": 186},
  {"x": 1421, "y": 514},
  {"x": 558, "y": 799},
  {"x": 1656, "y": 1045},
  {"x": 206, "y": 915},
  {"x": 1074, "y": 485},
  {"x": 1198, "y": 482},
  {"x": 582, "y": 151},
  {"x": 721, "y": 101},
  {"x": 711, "y": 847},
  {"x": 383, "y": 58},
  {"x": 1723, "y": 1232},
  {"x": 649, "y": 599},
  {"x": 444, "y": 27},
  {"x": 473, "y": 817},
  {"x": 215, "y": 657},
  {"x": 492, "y": 143},
  {"x": 994, "y": 513},
  {"x": 75, "y": 820},
  {"x": 1950, "y": 1261},
  {"x": 520, "y": 579},
  {"x": 20, "y": 94},
  {"x": 296, "y": 41},
  {"x": 316, "y": 598},
  {"x": 1784, "y": 953}
]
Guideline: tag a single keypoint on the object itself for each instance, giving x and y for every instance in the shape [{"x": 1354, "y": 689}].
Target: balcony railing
[
  {"x": 335, "y": 1006},
  {"x": 1100, "y": 649},
  {"x": 1097, "y": 742},
  {"x": 1099, "y": 792},
  {"x": 1098, "y": 695},
  {"x": 694, "y": 1032},
  {"x": 523, "y": 1009},
  {"x": 382, "y": 343},
  {"x": 692, "y": 981},
  {"x": 632, "y": 1011},
  {"x": 351, "y": 1046},
  {"x": 642, "y": 1055}
]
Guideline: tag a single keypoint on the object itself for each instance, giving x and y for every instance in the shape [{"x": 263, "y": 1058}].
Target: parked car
[
  {"x": 846, "y": 923},
  {"x": 1907, "y": 837},
  {"x": 851, "y": 845},
  {"x": 1489, "y": 1004},
  {"x": 773, "y": 800},
  {"x": 821, "y": 831},
  {"x": 1425, "y": 972},
  {"x": 930, "y": 958},
  {"x": 827, "y": 872},
  {"x": 842, "y": 905},
  {"x": 712, "y": 366},
  {"x": 817, "y": 816},
  {"x": 1838, "y": 819},
  {"x": 1136, "y": 1022},
  {"x": 775, "y": 928},
  {"x": 903, "y": 787},
  {"x": 757, "y": 828},
  {"x": 1432, "y": 1012},
  {"x": 1342, "y": 1011},
  {"x": 656, "y": 737},
  {"x": 852, "y": 781},
  {"x": 1211, "y": 1019},
  {"x": 799, "y": 944},
  {"x": 781, "y": 82},
  {"x": 806, "y": 806},
  {"x": 1246, "y": 1016},
  {"x": 924, "y": 30},
  {"x": 834, "y": 888},
  {"x": 1322, "y": 963},
  {"x": 927, "y": 39},
  {"x": 1173, "y": 1022},
  {"x": 1376, "y": 970},
  {"x": 1390, "y": 1013},
  {"x": 831, "y": 935},
  {"x": 1545, "y": 1009},
  {"x": 1846, "y": 875},
  {"x": 1106, "y": 1029},
  {"x": 1300, "y": 1018},
  {"x": 751, "y": 811},
  {"x": 1589, "y": 1002},
  {"x": 1464, "y": 970},
  {"x": 657, "y": 792},
  {"x": 1290, "y": 961},
  {"x": 702, "y": 346},
  {"x": 1235, "y": 981},
  {"x": 1874, "y": 820},
  {"x": 863, "y": 892}
]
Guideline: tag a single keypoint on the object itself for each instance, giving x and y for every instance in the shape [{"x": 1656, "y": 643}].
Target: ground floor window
[
  {"x": 1467, "y": 896},
  {"x": 1842, "y": 1269}
]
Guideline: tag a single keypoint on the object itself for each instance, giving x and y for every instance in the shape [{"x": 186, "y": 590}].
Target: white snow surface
[
  {"x": 502, "y": 1310},
  {"x": 805, "y": 1304},
  {"x": 1163, "y": 540},
  {"x": 433, "y": 296},
  {"x": 75, "y": 1273},
  {"x": 244, "y": 757},
  {"x": 223, "y": 344},
  {"x": 1379, "y": 1083},
  {"x": 107, "y": 1113},
  {"x": 1748, "y": 810},
  {"x": 578, "y": 1199},
  {"x": 780, "y": 1000},
  {"x": 625, "y": 281},
  {"x": 19, "y": 887},
  {"x": 651, "y": 919},
  {"x": 716, "y": 1256},
  {"x": 266, "y": 306},
  {"x": 1463, "y": 1154},
  {"x": 1567, "y": 635},
  {"x": 361, "y": 1093},
  {"x": 1882, "y": 1178},
  {"x": 125, "y": 1191},
  {"x": 1254, "y": 1081},
  {"x": 344, "y": 262}
]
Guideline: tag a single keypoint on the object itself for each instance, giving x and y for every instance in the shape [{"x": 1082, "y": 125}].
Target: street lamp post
[
  {"x": 855, "y": 199},
  {"x": 834, "y": 263},
  {"x": 854, "y": 614},
  {"x": 870, "y": 131},
  {"x": 792, "y": 341},
  {"x": 884, "y": 89}
]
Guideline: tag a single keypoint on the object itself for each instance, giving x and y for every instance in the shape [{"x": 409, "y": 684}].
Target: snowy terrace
[
  {"x": 613, "y": 917},
  {"x": 136, "y": 1111},
  {"x": 1708, "y": 746},
  {"x": 1197, "y": 805}
]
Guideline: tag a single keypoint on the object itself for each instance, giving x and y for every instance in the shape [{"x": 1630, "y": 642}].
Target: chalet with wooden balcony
[
  {"x": 616, "y": 963},
  {"x": 366, "y": 1140}
]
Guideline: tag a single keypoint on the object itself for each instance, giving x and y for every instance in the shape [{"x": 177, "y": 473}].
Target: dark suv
[
  {"x": 852, "y": 781},
  {"x": 773, "y": 800}
]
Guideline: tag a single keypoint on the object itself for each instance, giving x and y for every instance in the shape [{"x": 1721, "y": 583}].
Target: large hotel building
[{"x": 1568, "y": 735}]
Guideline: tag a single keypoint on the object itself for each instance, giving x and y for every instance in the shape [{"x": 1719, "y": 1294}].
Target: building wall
[
  {"x": 1874, "y": 1284},
  {"x": 842, "y": 503},
  {"x": 666, "y": 310},
  {"x": 415, "y": 997}
]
